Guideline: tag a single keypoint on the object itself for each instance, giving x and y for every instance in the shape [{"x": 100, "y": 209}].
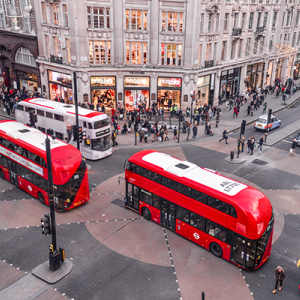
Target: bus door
[
  {"x": 238, "y": 251},
  {"x": 168, "y": 214},
  {"x": 132, "y": 196},
  {"x": 13, "y": 173}
]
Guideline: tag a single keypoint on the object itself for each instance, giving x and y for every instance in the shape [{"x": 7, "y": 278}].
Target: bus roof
[
  {"x": 246, "y": 199},
  {"x": 64, "y": 156},
  {"x": 63, "y": 107}
]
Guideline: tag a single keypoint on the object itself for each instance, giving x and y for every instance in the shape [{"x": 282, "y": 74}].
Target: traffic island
[
  {"x": 43, "y": 271},
  {"x": 233, "y": 160}
]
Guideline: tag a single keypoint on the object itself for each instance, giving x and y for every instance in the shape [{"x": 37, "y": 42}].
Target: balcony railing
[
  {"x": 56, "y": 59},
  {"x": 236, "y": 31},
  {"x": 260, "y": 29},
  {"x": 208, "y": 63}
]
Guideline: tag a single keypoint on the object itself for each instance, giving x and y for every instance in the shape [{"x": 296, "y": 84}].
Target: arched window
[{"x": 24, "y": 56}]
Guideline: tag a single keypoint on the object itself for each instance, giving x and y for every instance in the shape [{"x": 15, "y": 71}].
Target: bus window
[
  {"x": 100, "y": 144},
  {"x": 42, "y": 129},
  {"x": 90, "y": 126},
  {"x": 20, "y": 107},
  {"x": 250, "y": 255},
  {"x": 40, "y": 112},
  {"x": 24, "y": 153},
  {"x": 216, "y": 230},
  {"x": 20, "y": 170},
  {"x": 11, "y": 146},
  {"x": 233, "y": 212},
  {"x": 102, "y": 123},
  {"x": 182, "y": 189},
  {"x": 219, "y": 205},
  {"x": 156, "y": 201},
  {"x": 59, "y": 135},
  {"x": 49, "y": 115},
  {"x": 146, "y": 197},
  {"x": 183, "y": 214},
  {"x": 5, "y": 162},
  {"x": 154, "y": 177},
  {"x": 130, "y": 166},
  {"x": 58, "y": 117},
  {"x": 5, "y": 143},
  {"x": 84, "y": 124},
  {"x": 141, "y": 171},
  {"x": 29, "y": 109},
  {"x": 197, "y": 221},
  {"x": 171, "y": 184},
  {"x": 199, "y": 196},
  {"x": 1, "y": 160}
]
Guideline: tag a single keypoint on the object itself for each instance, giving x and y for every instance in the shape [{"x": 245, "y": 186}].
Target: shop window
[
  {"x": 99, "y": 52},
  {"x": 136, "y": 19},
  {"x": 171, "y": 54},
  {"x": 49, "y": 115},
  {"x": 98, "y": 17},
  {"x": 172, "y": 21},
  {"x": 136, "y": 53},
  {"x": 24, "y": 56}
]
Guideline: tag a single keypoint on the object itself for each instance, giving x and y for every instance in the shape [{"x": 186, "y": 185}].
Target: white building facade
[{"x": 128, "y": 51}]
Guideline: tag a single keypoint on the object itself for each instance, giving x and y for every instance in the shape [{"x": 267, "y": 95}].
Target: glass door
[
  {"x": 168, "y": 214},
  {"x": 13, "y": 173},
  {"x": 238, "y": 250},
  {"x": 132, "y": 196}
]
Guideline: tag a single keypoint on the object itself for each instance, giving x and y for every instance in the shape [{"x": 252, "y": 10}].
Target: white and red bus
[
  {"x": 231, "y": 219},
  {"x": 61, "y": 118},
  {"x": 23, "y": 162}
]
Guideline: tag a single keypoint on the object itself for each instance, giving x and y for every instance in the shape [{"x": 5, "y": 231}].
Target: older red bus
[
  {"x": 231, "y": 219},
  {"x": 23, "y": 163}
]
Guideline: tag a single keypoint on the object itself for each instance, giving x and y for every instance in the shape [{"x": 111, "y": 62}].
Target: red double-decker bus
[
  {"x": 23, "y": 163},
  {"x": 231, "y": 219}
]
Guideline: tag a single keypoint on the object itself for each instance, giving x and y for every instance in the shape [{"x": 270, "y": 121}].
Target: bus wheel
[
  {"x": 41, "y": 198},
  {"x": 1, "y": 174},
  {"x": 216, "y": 249},
  {"x": 146, "y": 213}
]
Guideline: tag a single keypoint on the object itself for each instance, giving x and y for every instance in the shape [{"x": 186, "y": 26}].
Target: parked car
[{"x": 261, "y": 123}]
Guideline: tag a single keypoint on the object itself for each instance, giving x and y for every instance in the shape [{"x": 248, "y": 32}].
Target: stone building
[
  {"x": 128, "y": 51},
  {"x": 18, "y": 45}
]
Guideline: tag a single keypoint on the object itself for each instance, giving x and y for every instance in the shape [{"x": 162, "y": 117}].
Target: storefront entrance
[
  {"x": 136, "y": 91},
  {"x": 230, "y": 83},
  {"x": 203, "y": 84},
  {"x": 168, "y": 92},
  {"x": 103, "y": 91},
  {"x": 60, "y": 86},
  {"x": 254, "y": 77},
  {"x": 29, "y": 81}
]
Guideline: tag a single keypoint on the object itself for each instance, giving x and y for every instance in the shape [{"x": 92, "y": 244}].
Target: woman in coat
[{"x": 280, "y": 275}]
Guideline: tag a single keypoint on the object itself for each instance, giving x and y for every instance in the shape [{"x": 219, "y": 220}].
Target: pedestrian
[
  {"x": 114, "y": 138},
  {"x": 283, "y": 99},
  {"x": 225, "y": 137},
  {"x": 230, "y": 104},
  {"x": 188, "y": 131},
  {"x": 195, "y": 131},
  {"x": 249, "y": 145},
  {"x": 175, "y": 133},
  {"x": 280, "y": 275},
  {"x": 217, "y": 119},
  {"x": 243, "y": 143},
  {"x": 248, "y": 110},
  {"x": 261, "y": 141},
  {"x": 252, "y": 145},
  {"x": 293, "y": 148},
  {"x": 141, "y": 133}
]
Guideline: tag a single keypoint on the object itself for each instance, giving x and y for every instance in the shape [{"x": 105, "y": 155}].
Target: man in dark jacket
[
  {"x": 225, "y": 137},
  {"x": 261, "y": 141},
  {"x": 195, "y": 131}
]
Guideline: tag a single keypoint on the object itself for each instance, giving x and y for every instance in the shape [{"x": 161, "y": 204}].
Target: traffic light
[
  {"x": 243, "y": 126},
  {"x": 46, "y": 229},
  {"x": 84, "y": 135},
  {"x": 269, "y": 115},
  {"x": 80, "y": 134},
  {"x": 181, "y": 118}
]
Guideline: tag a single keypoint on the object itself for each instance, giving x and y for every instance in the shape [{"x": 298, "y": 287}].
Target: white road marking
[{"x": 287, "y": 141}]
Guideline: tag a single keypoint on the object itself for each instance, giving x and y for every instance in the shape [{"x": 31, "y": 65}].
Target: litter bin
[{"x": 231, "y": 155}]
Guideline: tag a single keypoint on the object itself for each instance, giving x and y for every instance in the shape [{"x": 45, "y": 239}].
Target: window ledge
[{"x": 99, "y": 29}]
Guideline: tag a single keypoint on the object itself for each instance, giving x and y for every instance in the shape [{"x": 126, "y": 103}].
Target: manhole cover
[{"x": 259, "y": 162}]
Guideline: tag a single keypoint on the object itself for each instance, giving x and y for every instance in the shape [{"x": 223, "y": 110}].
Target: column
[
  {"x": 265, "y": 73},
  {"x": 153, "y": 23},
  {"x": 217, "y": 88},
  {"x": 118, "y": 32},
  {"x": 243, "y": 78}
]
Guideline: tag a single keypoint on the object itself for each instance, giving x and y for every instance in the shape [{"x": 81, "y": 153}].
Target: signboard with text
[{"x": 169, "y": 82}]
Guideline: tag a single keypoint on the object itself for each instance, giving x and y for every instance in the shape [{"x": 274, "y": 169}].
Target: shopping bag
[{"x": 291, "y": 151}]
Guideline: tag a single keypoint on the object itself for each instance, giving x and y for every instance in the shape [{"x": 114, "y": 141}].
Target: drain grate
[{"x": 259, "y": 162}]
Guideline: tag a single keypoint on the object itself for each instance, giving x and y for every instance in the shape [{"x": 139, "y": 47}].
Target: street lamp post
[
  {"x": 192, "y": 94},
  {"x": 76, "y": 109},
  {"x": 55, "y": 256}
]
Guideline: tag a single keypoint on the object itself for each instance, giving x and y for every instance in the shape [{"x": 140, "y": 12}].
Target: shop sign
[
  {"x": 136, "y": 81},
  {"x": 60, "y": 78},
  {"x": 204, "y": 80},
  {"x": 137, "y": 73},
  {"x": 169, "y": 82},
  {"x": 103, "y": 81}
]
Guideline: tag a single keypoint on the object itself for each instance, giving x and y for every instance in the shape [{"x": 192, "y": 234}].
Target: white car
[{"x": 261, "y": 123}]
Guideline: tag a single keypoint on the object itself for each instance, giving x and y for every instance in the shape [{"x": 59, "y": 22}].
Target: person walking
[
  {"x": 175, "y": 133},
  {"x": 195, "y": 131},
  {"x": 283, "y": 99},
  {"x": 225, "y": 137},
  {"x": 249, "y": 145},
  {"x": 261, "y": 141},
  {"x": 243, "y": 143},
  {"x": 280, "y": 275},
  {"x": 252, "y": 145},
  {"x": 114, "y": 137},
  {"x": 188, "y": 132},
  {"x": 293, "y": 148}
]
